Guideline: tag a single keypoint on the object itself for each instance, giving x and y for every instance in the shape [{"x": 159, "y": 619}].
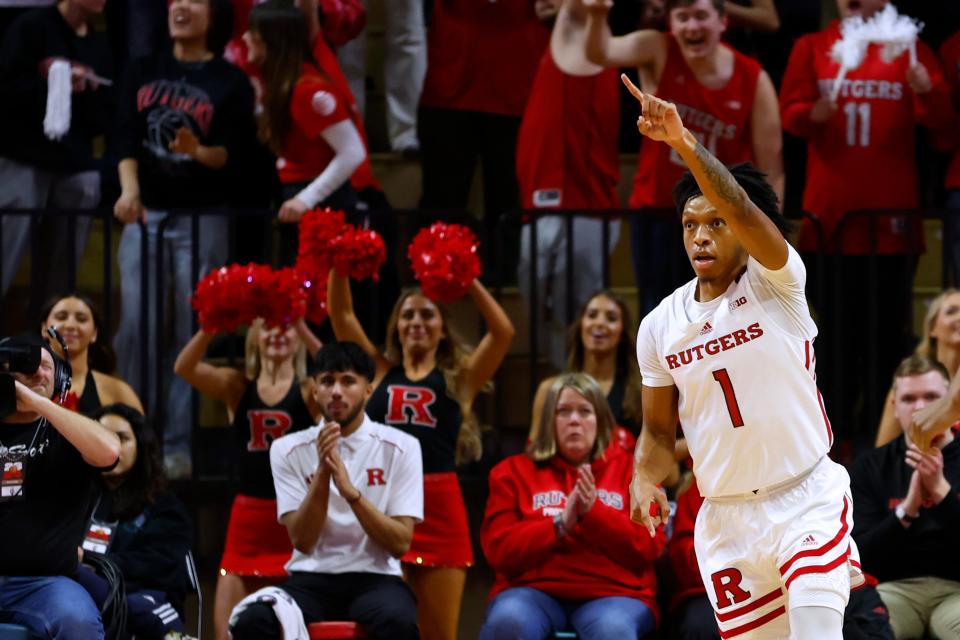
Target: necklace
[{"x": 17, "y": 452}]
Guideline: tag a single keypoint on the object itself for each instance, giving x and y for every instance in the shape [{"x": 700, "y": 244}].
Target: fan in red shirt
[
  {"x": 860, "y": 155},
  {"x": 567, "y": 159},
  {"x": 481, "y": 60},
  {"x": 727, "y": 99},
  {"x": 305, "y": 117},
  {"x": 557, "y": 529},
  {"x": 950, "y": 57}
]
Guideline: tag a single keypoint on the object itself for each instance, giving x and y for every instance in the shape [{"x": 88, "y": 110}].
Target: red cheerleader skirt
[
  {"x": 443, "y": 538},
  {"x": 256, "y": 545}
]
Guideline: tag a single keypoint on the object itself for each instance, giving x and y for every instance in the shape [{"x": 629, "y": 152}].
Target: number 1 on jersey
[{"x": 733, "y": 408}]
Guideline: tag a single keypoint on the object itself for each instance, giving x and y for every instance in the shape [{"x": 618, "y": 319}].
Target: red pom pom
[
  {"x": 359, "y": 254},
  {"x": 235, "y": 295},
  {"x": 317, "y": 231},
  {"x": 445, "y": 260},
  {"x": 282, "y": 299},
  {"x": 315, "y": 290}
]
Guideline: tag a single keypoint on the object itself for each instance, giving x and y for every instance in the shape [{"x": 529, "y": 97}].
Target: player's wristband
[{"x": 903, "y": 516}]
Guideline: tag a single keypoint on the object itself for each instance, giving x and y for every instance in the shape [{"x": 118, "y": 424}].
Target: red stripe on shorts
[
  {"x": 806, "y": 553},
  {"x": 747, "y": 608},
  {"x": 750, "y": 626},
  {"x": 823, "y": 568}
]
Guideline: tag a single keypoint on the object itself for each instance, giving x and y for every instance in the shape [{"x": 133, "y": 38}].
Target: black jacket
[{"x": 888, "y": 550}]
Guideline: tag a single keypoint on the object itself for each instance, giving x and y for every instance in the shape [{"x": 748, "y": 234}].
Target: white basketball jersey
[{"x": 745, "y": 369}]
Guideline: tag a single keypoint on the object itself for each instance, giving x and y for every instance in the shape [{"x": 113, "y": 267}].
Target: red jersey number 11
[{"x": 733, "y": 408}]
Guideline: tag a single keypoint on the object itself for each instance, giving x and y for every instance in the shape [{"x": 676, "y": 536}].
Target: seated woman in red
[{"x": 558, "y": 532}]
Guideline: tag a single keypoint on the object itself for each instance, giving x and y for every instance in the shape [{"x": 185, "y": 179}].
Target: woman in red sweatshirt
[{"x": 558, "y": 532}]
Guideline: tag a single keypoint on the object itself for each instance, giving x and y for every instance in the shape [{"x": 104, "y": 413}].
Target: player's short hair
[
  {"x": 751, "y": 180},
  {"x": 917, "y": 365},
  {"x": 676, "y": 4},
  {"x": 339, "y": 357},
  {"x": 544, "y": 445}
]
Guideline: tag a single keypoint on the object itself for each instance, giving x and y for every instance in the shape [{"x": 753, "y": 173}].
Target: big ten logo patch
[
  {"x": 550, "y": 502},
  {"x": 410, "y": 405},
  {"x": 726, "y": 586},
  {"x": 266, "y": 422}
]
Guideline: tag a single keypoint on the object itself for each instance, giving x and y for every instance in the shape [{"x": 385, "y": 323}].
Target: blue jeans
[
  {"x": 52, "y": 607},
  {"x": 523, "y": 613},
  {"x": 177, "y": 248}
]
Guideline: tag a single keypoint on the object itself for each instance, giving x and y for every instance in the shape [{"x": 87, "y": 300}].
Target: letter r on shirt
[{"x": 375, "y": 477}]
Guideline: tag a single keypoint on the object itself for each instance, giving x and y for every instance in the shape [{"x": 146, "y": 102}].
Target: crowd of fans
[{"x": 338, "y": 515}]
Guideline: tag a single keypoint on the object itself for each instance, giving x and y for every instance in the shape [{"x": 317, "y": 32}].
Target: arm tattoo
[{"x": 719, "y": 178}]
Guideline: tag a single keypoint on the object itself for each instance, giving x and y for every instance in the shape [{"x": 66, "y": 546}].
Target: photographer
[{"x": 50, "y": 458}]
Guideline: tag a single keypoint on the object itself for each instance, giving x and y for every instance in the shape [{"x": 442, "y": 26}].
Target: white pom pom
[{"x": 56, "y": 121}]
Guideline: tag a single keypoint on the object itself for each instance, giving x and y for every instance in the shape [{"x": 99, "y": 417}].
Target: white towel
[
  {"x": 56, "y": 122},
  {"x": 284, "y": 607}
]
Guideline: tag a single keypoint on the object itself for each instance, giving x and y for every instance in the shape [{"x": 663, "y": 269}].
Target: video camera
[{"x": 16, "y": 356}]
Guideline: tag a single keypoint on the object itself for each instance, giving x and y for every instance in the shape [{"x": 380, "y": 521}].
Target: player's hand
[
  {"x": 919, "y": 79},
  {"x": 929, "y": 467},
  {"x": 600, "y": 7},
  {"x": 823, "y": 110},
  {"x": 929, "y": 422},
  {"x": 642, "y": 494},
  {"x": 185, "y": 142},
  {"x": 658, "y": 119},
  {"x": 292, "y": 210},
  {"x": 586, "y": 489},
  {"x": 128, "y": 208}
]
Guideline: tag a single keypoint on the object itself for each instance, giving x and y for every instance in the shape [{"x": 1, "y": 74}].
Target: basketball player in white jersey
[{"x": 730, "y": 355}]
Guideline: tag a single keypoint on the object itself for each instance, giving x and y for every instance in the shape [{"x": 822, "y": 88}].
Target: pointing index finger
[{"x": 633, "y": 89}]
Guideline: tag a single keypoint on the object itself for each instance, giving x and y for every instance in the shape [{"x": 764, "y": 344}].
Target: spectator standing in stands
[
  {"x": 907, "y": 513},
  {"x": 405, "y": 66},
  {"x": 55, "y": 169},
  {"x": 860, "y": 155},
  {"x": 91, "y": 359},
  {"x": 184, "y": 117},
  {"x": 305, "y": 120},
  {"x": 349, "y": 491},
  {"x": 558, "y": 532},
  {"x": 725, "y": 99},
  {"x": 481, "y": 61},
  {"x": 425, "y": 384},
  {"x": 567, "y": 159},
  {"x": 269, "y": 398},
  {"x": 143, "y": 529}
]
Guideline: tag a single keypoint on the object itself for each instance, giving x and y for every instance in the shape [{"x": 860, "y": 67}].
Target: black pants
[
  {"x": 383, "y": 605},
  {"x": 866, "y": 617},
  {"x": 863, "y": 311},
  {"x": 451, "y": 143},
  {"x": 694, "y": 620}
]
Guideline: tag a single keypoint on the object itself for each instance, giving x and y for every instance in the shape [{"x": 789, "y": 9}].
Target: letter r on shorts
[{"x": 726, "y": 584}]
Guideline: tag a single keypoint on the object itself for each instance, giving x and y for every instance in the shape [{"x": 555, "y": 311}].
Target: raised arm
[
  {"x": 653, "y": 456},
  {"x": 760, "y": 15},
  {"x": 309, "y": 338},
  {"x": 766, "y": 134},
  {"x": 755, "y": 231},
  {"x": 98, "y": 446},
  {"x": 225, "y": 384},
  {"x": 486, "y": 359},
  {"x": 636, "y": 49},
  {"x": 346, "y": 326}
]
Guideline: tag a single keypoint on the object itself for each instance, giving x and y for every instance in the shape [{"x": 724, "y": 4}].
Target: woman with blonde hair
[
  {"x": 269, "y": 398},
  {"x": 425, "y": 384},
  {"x": 940, "y": 341},
  {"x": 558, "y": 533}
]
